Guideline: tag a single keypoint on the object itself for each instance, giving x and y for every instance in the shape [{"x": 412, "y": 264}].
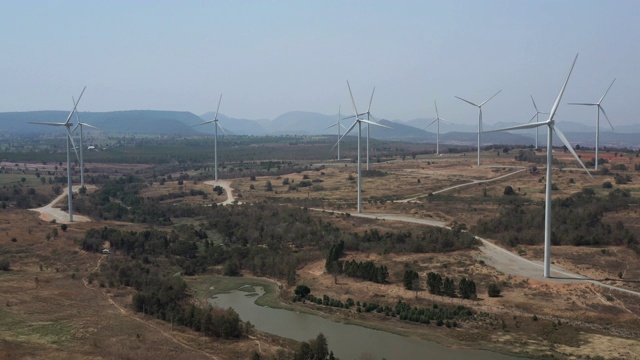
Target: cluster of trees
[
  {"x": 446, "y": 287},
  {"x": 442, "y": 315},
  {"x": 577, "y": 220},
  {"x": 22, "y": 197},
  {"x": 411, "y": 280},
  {"x": 367, "y": 270},
  {"x": 166, "y": 297},
  {"x": 314, "y": 349},
  {"x": 431, "y": 240}
]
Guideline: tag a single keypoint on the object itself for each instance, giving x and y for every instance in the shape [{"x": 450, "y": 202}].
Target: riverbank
[{"x": 278, "y": 296}]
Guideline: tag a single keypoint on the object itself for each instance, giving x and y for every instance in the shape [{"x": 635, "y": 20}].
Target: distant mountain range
[{"x": 305, "y": 123}]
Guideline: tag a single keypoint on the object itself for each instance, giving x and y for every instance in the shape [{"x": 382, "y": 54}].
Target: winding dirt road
[
  {"x": 226, "y": 185},
  {"x": 49, "y": 212}
]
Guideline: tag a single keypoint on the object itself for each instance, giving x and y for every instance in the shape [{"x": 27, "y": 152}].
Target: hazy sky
[{"x": 270, "y": 57}]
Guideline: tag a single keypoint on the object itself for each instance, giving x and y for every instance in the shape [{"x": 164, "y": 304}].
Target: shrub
[
  {"x": 493, "y": 290},
  {"x": 5, "y": 265},
  {"x": 302, "y": 290},
  {"x": 607, "y": 185},
  {"x": 508, "y": 190},
  {"x": 64, "y": 227}
]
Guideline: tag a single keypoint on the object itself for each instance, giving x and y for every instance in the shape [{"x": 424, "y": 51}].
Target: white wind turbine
[
  {"x": 550, "y": 123},
  {"x": 369, "y": 117},
  {"x": 80, "y": 125},
  {"x": 437, "y": 120},
  {"x": 359, "y": 122},
  {"x": 535, "y": 116},
  {"x": 600, "y": 109},
  {"x": 215, "y": 138},
  {"x": 67, "y": 124},
  {"x": 338, "y": 125},
  {"x": 479, "y": 117}
]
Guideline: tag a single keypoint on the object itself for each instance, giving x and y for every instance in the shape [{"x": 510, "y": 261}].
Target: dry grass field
[{"x": 49, "y": 310}]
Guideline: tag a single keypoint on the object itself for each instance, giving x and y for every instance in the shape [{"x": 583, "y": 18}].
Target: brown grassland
[{"x": 49, "y": 309}]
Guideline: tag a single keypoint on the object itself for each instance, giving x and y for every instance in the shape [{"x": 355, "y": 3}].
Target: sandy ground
[
  {"x": 226, "y": 185},
  {"x": 49, "y": 212}
]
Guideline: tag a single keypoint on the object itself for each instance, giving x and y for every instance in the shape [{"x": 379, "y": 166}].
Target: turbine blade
[
  {"x": 431, "y": 123},
  {"x": 47, "y": 123},
  {"x": 568, "y": 145},
  {"x": 75, "y": 105},
  {"x": 75, "y": 127},
  {"x": 91, "y": 126},
  {"x": 344, "y": 127},
  {"x": 519, "y": 127},
  {"x": 373, "y": 118},
  {"x": 218, "y": 109},
  {"x": 352, "y": 116},
  {"x": 605, "y": 94},
  {"x": 355, "y": 110},
  {"x": 467, "y": 101},
  {"x": 371, "y": 100},
  {"x": 206, "y": 122},
  {"x": 373, "y": 123},
  {"x": 494, "y": 95},
  {"x": 436, "y": 104},
  {"x": 533, "y": 117},
  {"x": 534, "y": 103},
  {"x": 223, "y": 130},
  {"x": 552, "y": 113},
  {"x": 327, "y": 128},
  {"x": 587, "y": 104},
  {"x": 345, "y": 134},
  {"x": 605, "y": 116},
  {"x": 73, "y": 143}
]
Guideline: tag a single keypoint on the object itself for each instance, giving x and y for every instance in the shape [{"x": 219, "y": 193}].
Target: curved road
[
  {"x": 465, "y": 184},
  {"x": 226, "y": 185},
  {"x": 49, "y": 212}
]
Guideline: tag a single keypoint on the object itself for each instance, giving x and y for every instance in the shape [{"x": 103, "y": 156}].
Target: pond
[{"x": 345, "y": 340}]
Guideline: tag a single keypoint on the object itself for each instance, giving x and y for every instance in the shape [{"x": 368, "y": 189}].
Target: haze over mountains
[{"x": 305, "y": 123}]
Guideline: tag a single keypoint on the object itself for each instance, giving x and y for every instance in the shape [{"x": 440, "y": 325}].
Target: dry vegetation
[{"x": 48, "y": 310}]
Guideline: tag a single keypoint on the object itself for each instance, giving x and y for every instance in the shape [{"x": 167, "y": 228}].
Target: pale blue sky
[{"x": 270, "y": 57}]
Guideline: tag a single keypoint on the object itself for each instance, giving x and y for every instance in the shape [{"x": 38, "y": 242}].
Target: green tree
[
  {"x": 302, "y": 290},
  {"x": 410, "y": 279},
  {"x": 493, "y": 290},
  {"x": 64, "y": 227},
  {"x": 434, "y": 283},
  {"x": 467, "y": 288}
]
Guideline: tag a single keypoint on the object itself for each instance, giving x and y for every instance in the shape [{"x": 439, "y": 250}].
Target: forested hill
[{"x": 129, "y": 122}]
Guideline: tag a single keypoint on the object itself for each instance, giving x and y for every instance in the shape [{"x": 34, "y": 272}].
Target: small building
[{"x": 105, "y": 251}]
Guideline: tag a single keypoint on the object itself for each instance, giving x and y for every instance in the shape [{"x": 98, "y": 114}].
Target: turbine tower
[
  {"x": 600, "y": 109},
  {"x": 479, "y": 118},
  {"x": 67, "y": 124},
  {"x": 80, "y": 125},
  {"x": 550, "y": 123},
  {"x": 338, "y": 125},
  {"x": 436, "y": 120},
  {"x": 215, "y": 139},
  {"x": 535, "y": 116},
  {"x": 359, "y": 122}
]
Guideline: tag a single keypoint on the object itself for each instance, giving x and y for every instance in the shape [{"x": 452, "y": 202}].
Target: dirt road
[
  {"x": 226, "y": 185},
  {"x": 49, "y": 212}
]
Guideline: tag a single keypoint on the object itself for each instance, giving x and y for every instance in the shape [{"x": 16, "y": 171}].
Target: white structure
[
  {"x": 338, "y": 125},
  {"x": 437, "y": 121},
  {"x": 215, "y": 139},
  {"x": 80, "y": 125},
  {"x": 550, "y": 123},
  {"x": 369, "y": 117},
  {"x": 67, "y": 124},
  {"x": 479, "y": 118},
  {"x": 359, "y": 122},
  {"x": 600, "y": 109},
  {"x": 535, "y": 116}
]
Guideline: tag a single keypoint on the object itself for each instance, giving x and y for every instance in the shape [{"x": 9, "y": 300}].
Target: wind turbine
[
  {"x": 369, "y": 117},
  {"x": 535, "y": 116},
  {"x": 67, "y": 124},
  {"x": 479, "y": 117},
  {"x": 550, "y": 123},
  {"x": 338, "y": 125},
  {"x": 80, "y": 125},
  {"x": 215, "y": 138},
  {"x": 436, "y": 120},
  {"x": 359, "y": 122},
  {"x": 600, "y": 108}
]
